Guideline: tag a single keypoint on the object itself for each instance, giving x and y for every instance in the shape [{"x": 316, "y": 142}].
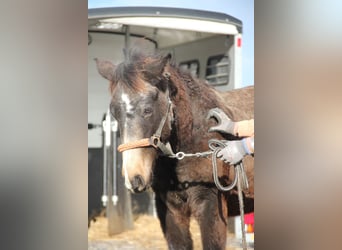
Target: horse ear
[
  {"x": 105, "y": 68},
  {"x": 155, "y": 67},
  {"x": 166, "y": 59}
]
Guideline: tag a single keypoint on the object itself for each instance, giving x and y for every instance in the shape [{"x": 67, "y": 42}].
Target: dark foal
[{"x": 147, "y": 89}]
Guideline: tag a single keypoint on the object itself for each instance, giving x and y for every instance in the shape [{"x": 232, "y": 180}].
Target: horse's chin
[
  {"x": 136, "y": 191},
  {"x": 147, "y": 186},
  {"x": 139, "y": 190}
]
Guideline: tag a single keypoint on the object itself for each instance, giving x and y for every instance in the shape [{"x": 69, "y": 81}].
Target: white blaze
[
  {"x": 126, "y": 154},
  {"x": 125, "y": 99}
]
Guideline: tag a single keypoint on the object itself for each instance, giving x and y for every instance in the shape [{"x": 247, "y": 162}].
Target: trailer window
[
  {"x": 191, "y": 66},
  {"x": 218, "y": 68}
]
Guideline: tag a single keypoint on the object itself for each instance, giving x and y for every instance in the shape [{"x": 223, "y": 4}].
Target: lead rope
[
  {"x": 216, "y": 146},
  {"x": 239, "y": 170},
  {"x": 240, "y": 180}
]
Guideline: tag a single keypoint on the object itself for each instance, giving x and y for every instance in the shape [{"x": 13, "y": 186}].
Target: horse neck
[{"x": 193, "y": 101}]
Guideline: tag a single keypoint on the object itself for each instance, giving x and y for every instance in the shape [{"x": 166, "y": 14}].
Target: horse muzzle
[
  {"x": 137, "y": 168},
  {"x": 138, "y": 184}
]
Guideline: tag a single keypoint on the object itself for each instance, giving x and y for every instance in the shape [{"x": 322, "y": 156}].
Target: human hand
[
  {"x": 233, "y": 152},
  {"x": 225, "y": 125}
]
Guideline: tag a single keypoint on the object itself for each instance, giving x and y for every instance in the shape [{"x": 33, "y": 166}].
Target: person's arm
[
  {"x": 248, "y": 144},
  {"x": 226, "y": 125},
  {"x": 244, "y": 128}
]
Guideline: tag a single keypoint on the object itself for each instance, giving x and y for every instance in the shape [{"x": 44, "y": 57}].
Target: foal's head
[{"x": 139, "y": 88}]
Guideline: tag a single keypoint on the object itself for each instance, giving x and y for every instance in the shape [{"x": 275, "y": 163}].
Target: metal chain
[
  {"x": 182, "y": 155},
  {"x": 215, "y": 146},
  {"x": 212, "y": 145}
]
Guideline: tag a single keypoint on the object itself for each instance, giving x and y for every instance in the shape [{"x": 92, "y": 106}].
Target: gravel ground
[{"x": 146, "y": 235}]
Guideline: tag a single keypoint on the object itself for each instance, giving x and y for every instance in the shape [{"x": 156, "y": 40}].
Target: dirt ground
[{"x": 146, "y": 235}]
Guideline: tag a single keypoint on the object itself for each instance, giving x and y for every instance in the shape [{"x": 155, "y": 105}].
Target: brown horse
[{"x": 157, "y": 107}]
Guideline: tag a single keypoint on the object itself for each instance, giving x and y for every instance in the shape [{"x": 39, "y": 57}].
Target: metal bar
[
  {"x": 114, "y": 130},
  {"x": 127, "y": 39},
  {"x": 105, "y": 123},
  {"x": 217, "y": 75}
]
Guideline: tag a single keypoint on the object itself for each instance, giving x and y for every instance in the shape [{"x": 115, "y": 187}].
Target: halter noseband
[{"x": 154, "y": 140}]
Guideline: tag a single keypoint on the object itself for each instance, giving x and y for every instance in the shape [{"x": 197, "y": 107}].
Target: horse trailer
[{"x": 207, "y": 44}]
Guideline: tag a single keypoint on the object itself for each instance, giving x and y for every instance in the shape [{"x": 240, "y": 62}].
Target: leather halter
[{"x": 154, "y": 140}]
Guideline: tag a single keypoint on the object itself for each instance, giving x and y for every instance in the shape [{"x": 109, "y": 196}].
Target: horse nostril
[{"x": 138, "y": 183}]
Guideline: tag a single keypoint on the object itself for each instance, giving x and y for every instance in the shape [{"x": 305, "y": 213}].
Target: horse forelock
[
  {"x": 137, "y": 70},
  {"x": 127, "y": 76}
]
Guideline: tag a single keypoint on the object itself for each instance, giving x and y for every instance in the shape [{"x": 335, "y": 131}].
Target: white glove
[
  {"x": 233, "y": 152},
  {"x": 225, "y": 125}
]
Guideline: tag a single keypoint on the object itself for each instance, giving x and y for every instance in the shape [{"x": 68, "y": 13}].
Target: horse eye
[{"x": 147, "y": 112}]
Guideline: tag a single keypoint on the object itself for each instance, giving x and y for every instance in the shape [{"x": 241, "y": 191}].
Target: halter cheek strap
[{"x": 154, "y": 140}]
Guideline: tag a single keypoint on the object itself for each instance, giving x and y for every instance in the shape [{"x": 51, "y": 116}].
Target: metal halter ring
[{"x": 180, "y": 155}]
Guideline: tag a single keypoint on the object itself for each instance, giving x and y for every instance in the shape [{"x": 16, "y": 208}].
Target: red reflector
[{"x": 239, "y": 42}]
